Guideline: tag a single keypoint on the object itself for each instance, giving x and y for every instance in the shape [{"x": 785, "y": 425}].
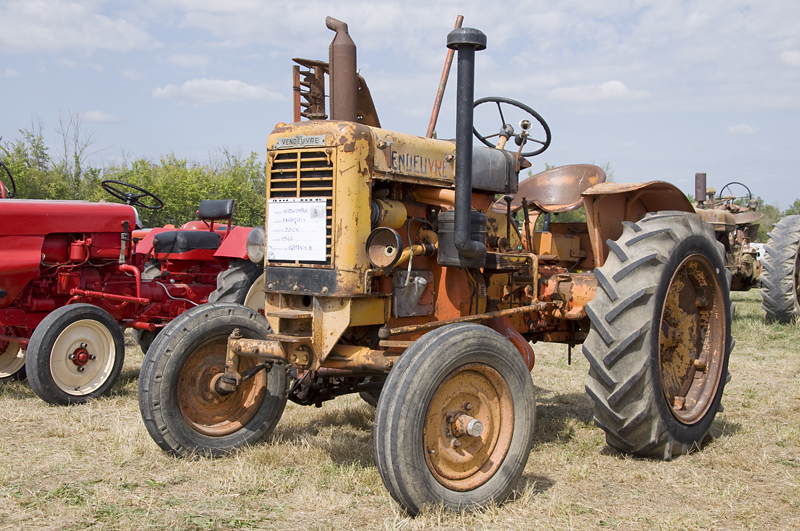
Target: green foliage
[
  {"x": 794, "y": 209},
  {"x": 179, "y": 183}
]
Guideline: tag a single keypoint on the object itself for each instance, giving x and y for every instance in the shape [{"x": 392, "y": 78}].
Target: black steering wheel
[
  {"x": 507, "y": 130},
  {"x": 131, "y": 198},
  {"x": 5, "y": 192},
  {"x": 749, "y": 193}
]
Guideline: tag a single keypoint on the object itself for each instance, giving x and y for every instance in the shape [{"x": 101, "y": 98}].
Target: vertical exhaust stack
[
  {"x": 343, "y": 73},
  {"x": 700, "y": 189},
  {"x": 466, "y": 41}
]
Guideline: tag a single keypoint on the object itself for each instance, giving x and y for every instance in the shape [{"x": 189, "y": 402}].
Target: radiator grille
[{"x": 304, "y": 173}]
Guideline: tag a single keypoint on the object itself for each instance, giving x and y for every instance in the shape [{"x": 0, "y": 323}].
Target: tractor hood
[{"x": 24, "y": 217}]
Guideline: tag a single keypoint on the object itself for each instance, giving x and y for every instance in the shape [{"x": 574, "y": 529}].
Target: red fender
[
  {"x": 505, "y": 326},
  {"x": 235, "y": 245}
]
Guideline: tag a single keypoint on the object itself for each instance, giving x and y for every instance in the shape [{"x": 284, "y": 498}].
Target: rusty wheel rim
[
  {"x": 208, "y": 412},
  {"x": 692, "y": 339},
  {"x": 471, "y": 391}
]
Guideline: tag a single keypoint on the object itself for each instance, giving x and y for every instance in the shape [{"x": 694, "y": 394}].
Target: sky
[{"x": 656, "y": 89}]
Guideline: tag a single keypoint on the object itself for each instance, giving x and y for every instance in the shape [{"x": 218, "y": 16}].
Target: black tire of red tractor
[
  {"x": 411, "y": 386},
  {"x": 160, "y": 377},
  {"x": 780, "y": 277},
  {"x": 622, "y": 347},
  {"x": 234, "y": 283},
  {"x": 88, "y": 324},
  {"x": 145, "y": 338}
]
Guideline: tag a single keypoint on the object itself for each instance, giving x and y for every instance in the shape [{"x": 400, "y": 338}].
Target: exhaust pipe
[
  {"x": 343, "y": 73},
  {"x": 700, "y": 189},
  {"x": 466, "y": 41}
]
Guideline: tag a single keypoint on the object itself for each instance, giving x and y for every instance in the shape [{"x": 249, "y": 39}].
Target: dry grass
[{"x": 95, "y": 467}]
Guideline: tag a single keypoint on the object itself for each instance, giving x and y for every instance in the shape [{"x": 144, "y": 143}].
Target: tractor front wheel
[
  {"x": 12, "y": 362},
  {"x": 454, "y": 424},
  {"x": 75, "y": 354},
  {"x": 660, "y": 336},
  {"x": 181, "y": 408}
]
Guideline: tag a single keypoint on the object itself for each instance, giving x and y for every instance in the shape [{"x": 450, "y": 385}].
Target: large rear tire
[
  {"x": 780, "y": 278},
  {"x": 424, "y": 449},
  {"x": 235, "y": 283},
  {"x": 75, "y": 354},
  {"x": 660, "y": 336},
  {"x": 181, "y": 410}
]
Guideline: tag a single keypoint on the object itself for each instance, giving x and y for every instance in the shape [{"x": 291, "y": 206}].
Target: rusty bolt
[
  {"x": 449, "y": 158},
  {"x": 449, "y": 418},
  {"x": 236, "y": 334},
  {"x": 680, "y": 402},
  {"x": 269, "y": 286},
  {"x": 295, "y": 287},
  {"x": 468, "y": 406},
  {"x": 456, "y": 443},
  {"x": 324, "y": 289},
  {"x": 700, "y": 365}
]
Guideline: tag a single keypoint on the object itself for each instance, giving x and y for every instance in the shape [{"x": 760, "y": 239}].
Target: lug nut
[
  {"x": 84, "y": 345},
  {"x": 80, "y": 368},
  {"x": 92, "y": 357},
  {"x": 71, "y": 356}
]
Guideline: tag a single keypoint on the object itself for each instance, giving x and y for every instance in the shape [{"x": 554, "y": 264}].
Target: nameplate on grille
[{"x": 300, "y": 141}]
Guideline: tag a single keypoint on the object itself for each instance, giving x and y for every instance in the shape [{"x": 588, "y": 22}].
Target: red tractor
[{"x": 72, "y": 275}]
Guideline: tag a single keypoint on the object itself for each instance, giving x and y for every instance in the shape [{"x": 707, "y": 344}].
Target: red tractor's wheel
[
  {"x": 75, "y": 354},
  {"x": 455, "y": 419},
  {"x": 12, "y": 362}
]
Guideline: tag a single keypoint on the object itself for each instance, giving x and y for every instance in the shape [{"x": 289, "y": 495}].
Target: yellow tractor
[{"x": 396, "y": 267}]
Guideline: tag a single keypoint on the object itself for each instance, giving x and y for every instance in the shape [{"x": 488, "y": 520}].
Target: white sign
[{"x": 296, "y": 229}]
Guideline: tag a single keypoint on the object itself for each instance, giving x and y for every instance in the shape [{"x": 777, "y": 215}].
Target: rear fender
[
  {"x": 234, "y": 246},
  {"x": 609, "y": 204}
]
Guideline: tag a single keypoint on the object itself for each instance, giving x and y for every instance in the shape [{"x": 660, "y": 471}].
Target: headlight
[{"x": 255, "y": 245}]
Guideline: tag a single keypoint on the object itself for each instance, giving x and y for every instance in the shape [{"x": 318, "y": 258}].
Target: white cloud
[
  {"x": 741, "y": 129},
  {"x": 216, "y": 90},
  {"x": 101, "y": 117},
  {"x": 56, "y": 25},
  {"x": 10, "y": 72},
  {"x": 133, "y": 75},
  {"x": 66, "y": 62},
  {"x": 189, "y": 60},
  {"x": 610, "y": 90},
  {"x": 791, "y": 57}
]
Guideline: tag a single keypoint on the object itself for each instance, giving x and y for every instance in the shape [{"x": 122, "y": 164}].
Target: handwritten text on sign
[{"x": 296, "y": 229}]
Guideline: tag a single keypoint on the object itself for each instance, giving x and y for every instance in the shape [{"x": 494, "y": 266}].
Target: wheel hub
[
  {"x": 468, "y": 427},
  {"x": 692, "y": 339}
]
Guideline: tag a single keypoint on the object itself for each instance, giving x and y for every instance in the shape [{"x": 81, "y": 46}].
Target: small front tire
[
  {"x": 446, "y": 380},
  {"x": 180, "y": 409},
  {"x": 75, "y": 354}
]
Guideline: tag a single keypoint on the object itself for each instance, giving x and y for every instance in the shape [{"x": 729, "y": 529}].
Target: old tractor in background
[
  {"x": 72, "y": 274},
  {"x": 392, "y": 270},
  {"x": 735, "y": 222}
]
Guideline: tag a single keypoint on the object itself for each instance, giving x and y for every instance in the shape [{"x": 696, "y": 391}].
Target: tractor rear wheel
[
  {"x": 240, "y": 284},
  {"x": 660, "y": 336},
  {"x": 177, "y": 396},
  {"x": 12, "y": 362},
  {"x": 455, "y": 421},
  {"x": 75, "y": 354},
  {"x": 780, "y": 278}
]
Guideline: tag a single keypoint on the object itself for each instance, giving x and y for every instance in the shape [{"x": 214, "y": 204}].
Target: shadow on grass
[
  {"x": 556, "y": 414},
  {"x": 533, "y": 483}
]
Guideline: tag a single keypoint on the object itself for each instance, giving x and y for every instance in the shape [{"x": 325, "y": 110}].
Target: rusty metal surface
[
  {"x": 742, "y": 218},
  {"x": 343, "y": 73},
  {"x": 609, "y": 204},
  {"x": 205, "y": 410},
  {"x": 448, "y": 62},
  {"x": 692, "y": 339},
  {"x": 457, "y": 460},
  {"x": 557, "y": 189}
]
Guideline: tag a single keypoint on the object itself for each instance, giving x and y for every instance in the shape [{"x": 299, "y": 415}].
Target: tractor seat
[
  {"x": 555, "y": 190},
  {"x": 214, "y": 209},
  {"x": 177, "y": 242}
]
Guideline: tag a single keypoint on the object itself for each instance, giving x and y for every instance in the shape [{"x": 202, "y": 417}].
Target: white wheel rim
[
  {"x": 255, "y": 298},
  {"x": 12, "y": 360},
  {"x": 96, "y": 340}
]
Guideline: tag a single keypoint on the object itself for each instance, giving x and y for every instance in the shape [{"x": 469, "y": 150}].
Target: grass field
[{"x": 95, "y": 467}]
